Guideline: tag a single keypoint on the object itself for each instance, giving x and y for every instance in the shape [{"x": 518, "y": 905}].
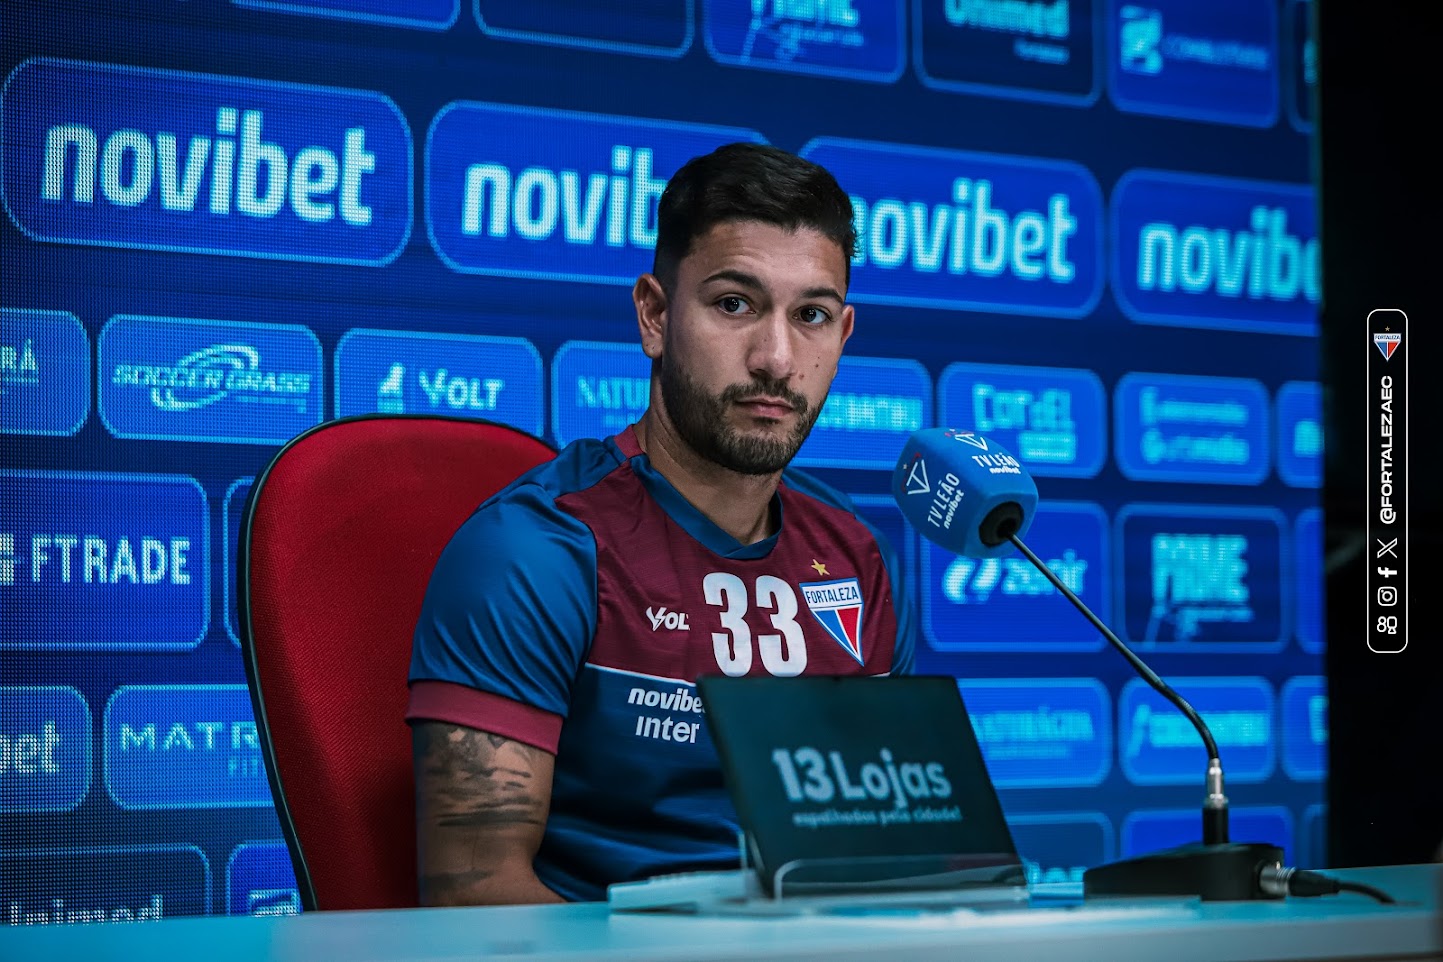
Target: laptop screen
[{"x": 859, "y": 783}]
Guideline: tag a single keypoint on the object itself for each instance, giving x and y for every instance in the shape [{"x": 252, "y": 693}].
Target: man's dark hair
[{"x": 748, "y": 182}]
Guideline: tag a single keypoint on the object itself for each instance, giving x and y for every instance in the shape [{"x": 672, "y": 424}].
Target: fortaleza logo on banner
[
  {"x": 986, "y": 232},
  {"x": 167, "y": 378},
  {"x": 553, "y": 194},
  {"x": 1214, "y": 252},
  {"x": 160, "y": 159}
]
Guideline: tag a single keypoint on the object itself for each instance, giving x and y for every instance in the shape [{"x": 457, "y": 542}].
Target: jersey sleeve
[{"x": 507, "y": 620}]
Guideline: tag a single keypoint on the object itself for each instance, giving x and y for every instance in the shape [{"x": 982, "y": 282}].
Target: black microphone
[{"x": 966, "y": 494}]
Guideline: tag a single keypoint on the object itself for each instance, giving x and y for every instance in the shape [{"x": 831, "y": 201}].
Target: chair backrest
[{"x": 337, "y": 543}]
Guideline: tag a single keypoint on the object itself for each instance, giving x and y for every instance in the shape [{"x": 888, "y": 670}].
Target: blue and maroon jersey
[{"x": 574, "y": 612}]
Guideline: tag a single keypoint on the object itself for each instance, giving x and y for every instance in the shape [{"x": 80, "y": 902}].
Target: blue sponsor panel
[
  {"x": 1157, "y": 745},
  {"x": 109, "y": 562},
  {"x": 183, "y": 747},
  {"x": 232, "y": 514},
  {"x": 1304, "y": 709},
  {"x": 649, "y": 28},
  {"x": 1053, "y": 419},
  {"x": 228, "y": 382},
  {"x": 165, "y": 160},
  {"x": 1005, "y": 604},
  {"x": 259, "y": 880},
  {"x": 1042, "y": 732},
  {"x": 1215, "y": 61},
  {"x": 854, "y": 39},
  {"x": 44, "y": 372},
  {"x": 1060, "y": 847},
  {"x": 1210, "y": 430},
  {"x": 1308, "y": 563},
  {"x": 1313, "y": 839},
  {"x": 1300, "y": 433},
  {"x": 954, "y": 229},
  {"x": 597, "y": 389},
  {"x": 882, "y": 512},
  {"x": 132, "y": 883},
  {"x": 1043, "y": 50},
  {"x": 874, "y": 405},
  {"x": 1203, "y": 578},
  {"x": 463, "y": 375},
  {"x": 553, "y": 194},
  {"x": 1302, "y": 67},
  {"x": 44, "y": 748},
  {"x": 1144, "y": 832},
  {"x": 1216, "y": 252},
  {"x": 421, "y": 14}
]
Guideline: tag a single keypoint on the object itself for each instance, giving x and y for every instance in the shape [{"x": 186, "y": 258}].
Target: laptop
[{"x": 846, "y": 787}]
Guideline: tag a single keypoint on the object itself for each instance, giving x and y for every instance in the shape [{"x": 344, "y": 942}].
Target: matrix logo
[
  {"x": 164, "y": 160},
  {"x": 1042, "y": 733},
  {"x": 1216, "y": 253},
  {"x": 527, "y": 192},
  {"x": 219, "y": 381},
  {"x": 103, "y": 562},
  {"x": 941, "y": 228},
  {"x": 44, "y": 372},
  {"x": 1054, "y": 418},
  {"x": 183, "y": 746},
  {"x": 1005, "y": 604},
  {"x": 857, "y": 39}
]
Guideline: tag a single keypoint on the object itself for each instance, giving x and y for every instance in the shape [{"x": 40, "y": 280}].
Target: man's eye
[
  {"x": 732, "y": 304},
  {"x": 814, "y": 315}
]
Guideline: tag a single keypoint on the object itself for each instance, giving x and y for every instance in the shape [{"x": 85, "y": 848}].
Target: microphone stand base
[{"x": 1226, "y": 872}]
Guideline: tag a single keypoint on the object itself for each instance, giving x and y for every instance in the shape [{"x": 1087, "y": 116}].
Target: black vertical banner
[{"x": 1387, "y": 458}]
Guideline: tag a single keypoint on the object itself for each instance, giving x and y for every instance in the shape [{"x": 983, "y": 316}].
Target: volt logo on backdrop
[
  {"x": 161, "y": 159},
  {"x": 103, "y": 561},
  {"x": 463, "y": 375},
  {"x": 183, "y": 746},
  {"x": 1215, "y": 252},
  {"x": 947, "y": 228},
  {"x": 554, "y": 194},
  {"x": 170, "y": 378}
]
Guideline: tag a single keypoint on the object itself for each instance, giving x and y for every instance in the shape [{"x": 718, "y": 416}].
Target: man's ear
[{"x": 651, "y": 305}]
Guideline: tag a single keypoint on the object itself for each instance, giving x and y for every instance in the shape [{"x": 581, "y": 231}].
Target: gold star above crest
[{"x": 821, "y": 568}]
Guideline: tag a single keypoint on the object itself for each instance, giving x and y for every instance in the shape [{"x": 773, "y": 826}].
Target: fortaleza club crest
[
  {"x": 838, "y": 606},
  {"x": 1387, "y": 343}
]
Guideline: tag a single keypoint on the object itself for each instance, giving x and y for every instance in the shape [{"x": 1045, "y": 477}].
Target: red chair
[{"x": 336, "y": 547}]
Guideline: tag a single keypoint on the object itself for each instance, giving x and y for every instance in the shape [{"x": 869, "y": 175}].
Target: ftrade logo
[
  {"x": 1213, "y": 252},
  {"x": 183, "y": 746},
  {"x": 103, "y": 562},
  {"x": 165, "y": 160},
  {"x": 180, "y": 379},
  {"x": 527, "y": 192},
  {"x": 942, "y": 228}
]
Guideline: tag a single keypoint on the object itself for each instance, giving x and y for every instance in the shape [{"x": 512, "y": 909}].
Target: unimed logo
[
  {"x": 945, "y": 228},
  {"x": 526, "y": 192},
  {"x": 1217, "y": 253},
  {"x": 130, "y": 157}
]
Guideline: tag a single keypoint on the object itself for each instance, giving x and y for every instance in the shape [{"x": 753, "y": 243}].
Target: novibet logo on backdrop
[{"x": 166, "y": 160}]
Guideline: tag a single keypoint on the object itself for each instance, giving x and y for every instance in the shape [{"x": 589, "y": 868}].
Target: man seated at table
[{"x": 559, "y": 743}]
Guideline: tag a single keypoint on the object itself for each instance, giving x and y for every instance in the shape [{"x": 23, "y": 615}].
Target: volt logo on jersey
[
  {"x": 837, "y": 605},
  {"x": 660, "y": 617}
]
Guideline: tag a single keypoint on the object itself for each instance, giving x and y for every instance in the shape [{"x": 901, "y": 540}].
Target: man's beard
[{"x": 700, "y": 419}]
